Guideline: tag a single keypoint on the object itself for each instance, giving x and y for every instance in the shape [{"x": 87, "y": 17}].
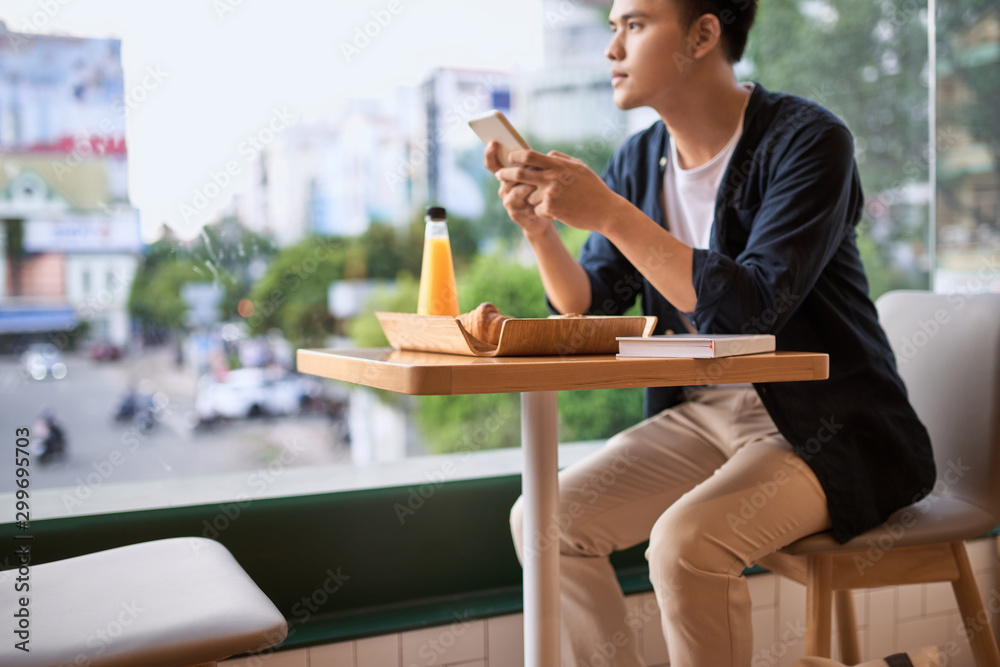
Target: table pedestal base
[{"x": 540, "y": 489}]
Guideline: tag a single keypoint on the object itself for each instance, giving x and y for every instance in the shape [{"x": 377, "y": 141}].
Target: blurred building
[
  {"x": 334, "y": 177},
  {"x": 570, "y": 99},
  {"x": 70, "y": 239},
  {"x": 452, "y": 153},
  {"x": 384, "y": 159}
]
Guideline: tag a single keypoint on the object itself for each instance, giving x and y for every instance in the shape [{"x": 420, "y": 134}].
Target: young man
[{"x": 734, "y": 214}]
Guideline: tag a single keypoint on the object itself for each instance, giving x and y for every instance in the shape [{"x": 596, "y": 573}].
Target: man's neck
[{"x": 704, "y": 119}]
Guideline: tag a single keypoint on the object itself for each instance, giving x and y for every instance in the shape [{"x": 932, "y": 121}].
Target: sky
[{"x": 214, "y": 73}]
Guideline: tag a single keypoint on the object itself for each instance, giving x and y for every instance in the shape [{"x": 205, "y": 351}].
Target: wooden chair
[
  {"x": 948, "y": 353},
  {"x": 168, "y": 603}
]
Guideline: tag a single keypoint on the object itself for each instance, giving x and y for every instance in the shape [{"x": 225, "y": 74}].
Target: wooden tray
[{"x": 518, "y": 337}]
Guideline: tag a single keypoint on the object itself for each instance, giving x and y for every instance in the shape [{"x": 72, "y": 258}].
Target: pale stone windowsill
[{"x": 276, "y": 481}]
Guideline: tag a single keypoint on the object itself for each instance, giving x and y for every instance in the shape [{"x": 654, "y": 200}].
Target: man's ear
[{"x": 704, "y": 35}]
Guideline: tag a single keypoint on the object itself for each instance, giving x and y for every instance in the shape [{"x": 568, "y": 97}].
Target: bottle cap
[{"x": 436, "y": 213}]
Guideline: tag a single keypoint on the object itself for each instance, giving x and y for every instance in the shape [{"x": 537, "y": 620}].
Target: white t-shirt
[{"x": 689, "y": 194}]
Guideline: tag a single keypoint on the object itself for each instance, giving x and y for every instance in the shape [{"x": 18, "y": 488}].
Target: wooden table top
[{"x": 430, "y": 373}]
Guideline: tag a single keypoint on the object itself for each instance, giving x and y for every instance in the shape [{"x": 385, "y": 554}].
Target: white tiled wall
[{"x": 890, "y": 620}]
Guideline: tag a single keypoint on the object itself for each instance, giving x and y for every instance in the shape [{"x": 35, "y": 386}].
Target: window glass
[
  {"x": 259, "y": 186},
  {"x": 968, "y": 146}
]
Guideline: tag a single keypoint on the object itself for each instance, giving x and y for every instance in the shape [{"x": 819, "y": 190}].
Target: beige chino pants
[{"x": 713, "y": 486}]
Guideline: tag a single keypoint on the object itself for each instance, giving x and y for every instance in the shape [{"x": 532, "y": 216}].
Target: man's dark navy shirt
[{"x": 783, "y": 260}]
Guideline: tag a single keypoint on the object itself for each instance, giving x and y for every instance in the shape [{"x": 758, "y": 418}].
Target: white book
[{"x": 698, "y": 346}]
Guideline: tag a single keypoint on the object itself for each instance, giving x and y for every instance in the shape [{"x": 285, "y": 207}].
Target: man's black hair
[{"x": 735, "y": 18}]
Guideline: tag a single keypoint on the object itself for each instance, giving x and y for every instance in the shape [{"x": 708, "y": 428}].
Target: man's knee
[
  {"x": 517, "y": 526},
  {"x": 679, "y": 543},
  {"x": 563, "y": 532}
]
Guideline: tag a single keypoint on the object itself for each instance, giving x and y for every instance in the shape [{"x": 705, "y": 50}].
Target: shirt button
[{"x": 663, "y": 161}]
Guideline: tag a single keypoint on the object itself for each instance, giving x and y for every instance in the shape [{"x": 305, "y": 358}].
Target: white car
[
  {"x": 42, "y": 360},
  {"x": 249, "y": 392}
]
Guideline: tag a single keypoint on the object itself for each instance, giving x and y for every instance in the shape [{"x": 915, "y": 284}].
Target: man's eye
[{"x": 632, "y": 25}]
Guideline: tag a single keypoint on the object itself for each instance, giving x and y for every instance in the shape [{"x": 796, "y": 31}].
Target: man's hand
[
  {"x": 561, "y": 187},
  {"x": 514, "y": 197}
]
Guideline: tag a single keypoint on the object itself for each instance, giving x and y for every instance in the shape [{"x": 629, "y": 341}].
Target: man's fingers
[
  {"x": 518, "y": 195},
  {"x": 523, "y": 174},
  {"x": 531, "y": 158},
  {"x": 491, "y": 156}
]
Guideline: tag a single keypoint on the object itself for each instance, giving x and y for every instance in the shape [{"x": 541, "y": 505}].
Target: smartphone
[{"x": 494, "y": 126}]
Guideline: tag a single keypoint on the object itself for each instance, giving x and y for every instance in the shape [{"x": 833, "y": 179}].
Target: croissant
[{"x": 484, "y": 322}]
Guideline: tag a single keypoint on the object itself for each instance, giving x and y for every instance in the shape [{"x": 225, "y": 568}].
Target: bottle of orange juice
[{"x": 438, "y": 294}]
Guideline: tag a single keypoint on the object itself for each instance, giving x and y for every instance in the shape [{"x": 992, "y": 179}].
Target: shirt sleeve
[
  {"x": 811, "y": 206},
  {"x": 615, "y": 284}
]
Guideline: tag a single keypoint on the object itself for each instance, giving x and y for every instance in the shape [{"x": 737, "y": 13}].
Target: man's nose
[{"x": 614, "y": 50}]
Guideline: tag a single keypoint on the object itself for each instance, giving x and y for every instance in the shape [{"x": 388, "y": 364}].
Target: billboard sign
[{"x": 115, "y": 232}]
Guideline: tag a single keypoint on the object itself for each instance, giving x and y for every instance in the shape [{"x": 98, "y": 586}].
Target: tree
[
  {"x": 165, "y": 262},
  {"x": 225, "y": 253},
  {"x": 292, "y": 294},
  {"x": 156, "y": 300},
  {"x": 231, "y": 256}
]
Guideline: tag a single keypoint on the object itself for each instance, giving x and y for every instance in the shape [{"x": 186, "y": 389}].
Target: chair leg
[
  {"x": 974, "y": 615},
  {"x": 819, "y": 597},
  {"x": 843, "y": 602}
]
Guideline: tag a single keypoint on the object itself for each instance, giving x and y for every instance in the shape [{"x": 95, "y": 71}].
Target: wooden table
[{"x": 538, "y": 379}]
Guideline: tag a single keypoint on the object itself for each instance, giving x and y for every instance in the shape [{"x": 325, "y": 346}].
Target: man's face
[{"x": 647, "y": 51}]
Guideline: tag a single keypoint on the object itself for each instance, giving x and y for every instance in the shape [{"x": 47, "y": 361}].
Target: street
[{"x": 84, "y": 403}]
